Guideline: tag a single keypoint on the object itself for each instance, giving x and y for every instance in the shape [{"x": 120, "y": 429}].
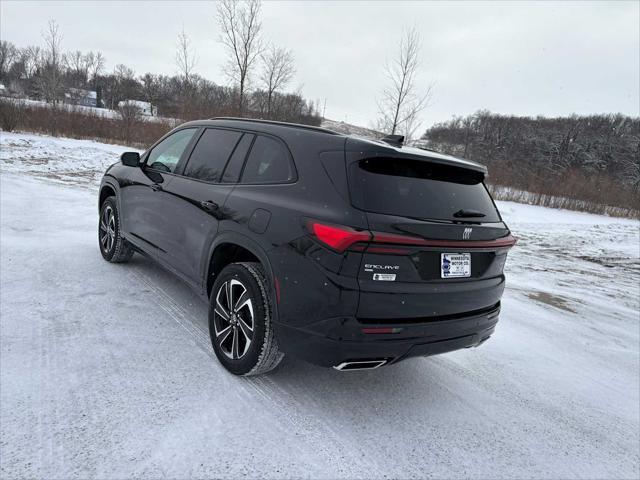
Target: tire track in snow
[{"x": 317, "y": 432}]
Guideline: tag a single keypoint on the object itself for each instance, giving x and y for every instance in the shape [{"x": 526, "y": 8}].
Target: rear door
[
  {"x": 439, "y": 244},
  {"x": 196, "y": 199}
]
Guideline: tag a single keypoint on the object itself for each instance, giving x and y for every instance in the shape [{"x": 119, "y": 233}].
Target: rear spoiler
[
  {"x": 360, "y": 148},
  {"x": 394, "y": 140}
]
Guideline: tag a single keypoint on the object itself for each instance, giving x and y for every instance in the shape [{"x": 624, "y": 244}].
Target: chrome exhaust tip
[{"x": 360, "y": 365}]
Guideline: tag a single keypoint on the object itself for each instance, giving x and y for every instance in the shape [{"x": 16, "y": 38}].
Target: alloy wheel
[
  {"x": 233, "y": 319},
  {"x": 107, "y": 228}
]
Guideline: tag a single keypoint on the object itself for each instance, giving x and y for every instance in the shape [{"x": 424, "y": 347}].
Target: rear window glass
[{"x": 420, "y": 189}]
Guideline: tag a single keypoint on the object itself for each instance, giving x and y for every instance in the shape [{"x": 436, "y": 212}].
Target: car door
[
  {"x": 196, "y": 199},
  {"x": 144, "y": 217}
]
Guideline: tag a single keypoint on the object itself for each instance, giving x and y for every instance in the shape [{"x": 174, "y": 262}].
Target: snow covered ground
[{"x": 106, "y": 370}]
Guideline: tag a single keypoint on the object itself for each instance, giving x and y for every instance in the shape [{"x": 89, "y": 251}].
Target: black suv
[{"x": 348, "y": 253}]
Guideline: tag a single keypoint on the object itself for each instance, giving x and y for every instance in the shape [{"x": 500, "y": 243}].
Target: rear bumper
[{"x": 336, "y": 340}]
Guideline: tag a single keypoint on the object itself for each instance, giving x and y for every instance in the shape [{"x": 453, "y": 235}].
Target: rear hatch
[{"x": 438, "y": 244}]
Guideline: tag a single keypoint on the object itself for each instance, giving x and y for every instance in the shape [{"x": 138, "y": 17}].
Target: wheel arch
[
  {"x": 107, "y": 189},
  {"x": 233, "y": 247}
]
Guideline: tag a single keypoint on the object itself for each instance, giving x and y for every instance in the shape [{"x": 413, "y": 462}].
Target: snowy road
[{"x": 106, "y": 370}]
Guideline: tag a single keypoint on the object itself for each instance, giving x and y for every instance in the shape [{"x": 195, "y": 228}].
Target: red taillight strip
[
  {"x": 379, "y": 330},
  {"x": 505, "y": 242},
  {"x": 338, "y": 237}
]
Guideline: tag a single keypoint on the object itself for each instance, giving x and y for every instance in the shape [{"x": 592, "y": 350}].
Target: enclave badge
[{"x": 467, "y": 233}]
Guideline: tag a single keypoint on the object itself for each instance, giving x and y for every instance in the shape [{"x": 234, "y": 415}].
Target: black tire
[
  {"x": 240, "y": 349},
  {"x": 113, "y": 247}
]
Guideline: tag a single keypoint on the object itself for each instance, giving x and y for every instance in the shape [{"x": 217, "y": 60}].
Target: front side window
[
  {"x": 268, "y": 162},
  {"x": 165, "y": 156},
  {"x": 211, "y": 153}
]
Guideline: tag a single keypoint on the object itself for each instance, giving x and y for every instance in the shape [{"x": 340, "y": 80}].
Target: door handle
[
  {"x": 209, "y": 205},
  {"x": 156, "y": 187}
]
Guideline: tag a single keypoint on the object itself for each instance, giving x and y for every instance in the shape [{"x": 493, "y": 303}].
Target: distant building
[
  {"x": 79, "y": 96},
  {"x": 145, "y": 107}
]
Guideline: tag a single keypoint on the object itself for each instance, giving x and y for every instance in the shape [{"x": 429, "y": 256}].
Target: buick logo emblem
[{"x": 467, "y": 233}]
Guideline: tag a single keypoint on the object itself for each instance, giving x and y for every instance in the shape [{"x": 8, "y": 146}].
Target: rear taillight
[
  {"x": 337, "y": 237},
  {"x": 341, "y": 238}
]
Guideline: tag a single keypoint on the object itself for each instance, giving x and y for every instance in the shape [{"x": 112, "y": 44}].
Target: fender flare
[
  {"x": 112, "y": 183},
  {"x": 253, "y": 247}
]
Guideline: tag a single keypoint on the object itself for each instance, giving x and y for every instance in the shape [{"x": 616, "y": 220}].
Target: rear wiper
[{"x": 464, "y": 213}]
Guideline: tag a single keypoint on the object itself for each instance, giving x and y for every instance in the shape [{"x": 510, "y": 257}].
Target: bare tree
[
  {"x": 151, "y": 88},
  {"x": 278, "y": 71},
  {"x": 123, "y": 84},
  {"x": 96, "y": 63},
  {"x": 30, "y": 58},
  {"x": 50, "y": 79},
  {"x": 78, "y": 67},
  {"x": 401, "y": 100},
  {"x": 240, "y": 25},
  {"x": 8, "y": 54},
  {"x": 130, "y": 117},
  {"x": 185, "y": 57}
]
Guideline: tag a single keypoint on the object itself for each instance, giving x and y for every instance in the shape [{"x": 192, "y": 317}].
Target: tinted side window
[
  {"x": 210, "y": 154},
  {"x": 268, "y": 162},
  {"x": 166, "y": 154},
  {"x": 234, "y": 167}
]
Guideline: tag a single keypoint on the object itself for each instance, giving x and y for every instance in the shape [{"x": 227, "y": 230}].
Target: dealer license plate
[{"x": 455, "y": 265}]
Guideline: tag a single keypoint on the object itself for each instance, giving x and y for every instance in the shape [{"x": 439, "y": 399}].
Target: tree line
[
  {"x": 258, "y": 71},
  {"x": 593, "y": 158},
  {"x": 46, "y": 72}
]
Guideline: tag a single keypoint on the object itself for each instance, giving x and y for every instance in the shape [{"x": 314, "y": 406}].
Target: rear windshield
[{"x": 420, "y": 189}]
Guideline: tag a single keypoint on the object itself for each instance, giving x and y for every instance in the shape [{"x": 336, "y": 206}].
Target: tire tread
[
  {"x": 270, "y": 355},
  {"x": 123, "y": 251}
]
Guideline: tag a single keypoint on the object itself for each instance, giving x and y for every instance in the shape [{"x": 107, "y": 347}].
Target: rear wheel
[
  {"x": 240, "y": 320},
  {"x": 113, "y": 247}
]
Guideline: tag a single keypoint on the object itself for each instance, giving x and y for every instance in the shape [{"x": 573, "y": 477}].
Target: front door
[{"x": 144, "y": 217}]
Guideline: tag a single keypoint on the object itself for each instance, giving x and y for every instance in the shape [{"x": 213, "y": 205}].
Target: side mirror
[{"x": 130, "y": 159}]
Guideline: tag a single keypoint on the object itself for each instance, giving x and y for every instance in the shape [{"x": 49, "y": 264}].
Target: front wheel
[
  {"x": 113, "y": 247},
  {"x": 240, "y": 320}
]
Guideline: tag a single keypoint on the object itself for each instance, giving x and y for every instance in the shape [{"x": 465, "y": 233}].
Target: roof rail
[{"x": 274, "y": 122}]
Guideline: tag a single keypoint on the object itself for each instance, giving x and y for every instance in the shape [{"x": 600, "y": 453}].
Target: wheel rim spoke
[
  {"x": 235, "y": 352},
  {"x": 224, "y": 333},
  {"x": 220, "y": 309},
  {"x": 242, "y": 301},
  {"x": 229, "y": 293},
  {"x": 222, "y": 312},
  {"x": 247, "y": 333}
]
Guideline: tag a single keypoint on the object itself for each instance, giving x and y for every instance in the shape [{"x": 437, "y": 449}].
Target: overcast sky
[{"x": 515, "y": 58}]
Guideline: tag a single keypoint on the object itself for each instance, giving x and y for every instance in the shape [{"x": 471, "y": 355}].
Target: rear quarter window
[
  {"x": 268, "y": 162},
  {"x": 419, "y": 189}
]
